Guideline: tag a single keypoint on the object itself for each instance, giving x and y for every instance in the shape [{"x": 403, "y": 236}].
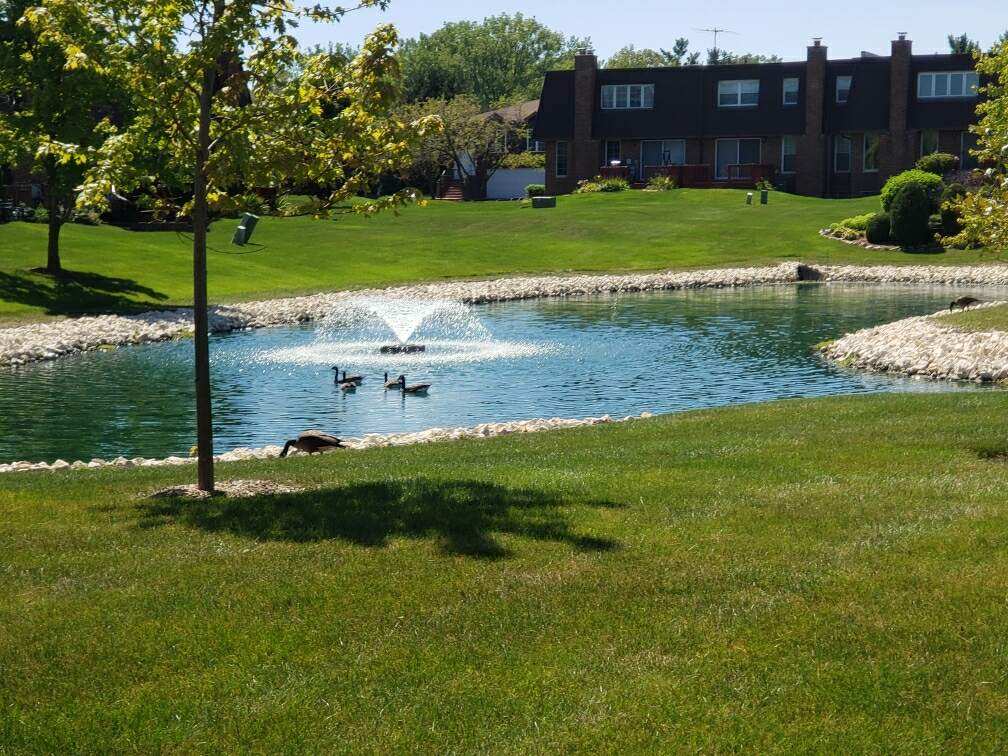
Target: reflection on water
[{"x": 572, "y": 357}]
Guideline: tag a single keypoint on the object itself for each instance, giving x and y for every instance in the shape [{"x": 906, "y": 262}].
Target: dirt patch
[{"x": 235, "y": 489}]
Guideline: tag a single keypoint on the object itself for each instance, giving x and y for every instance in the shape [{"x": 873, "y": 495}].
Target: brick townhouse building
[{"x": 819, "y": 127}]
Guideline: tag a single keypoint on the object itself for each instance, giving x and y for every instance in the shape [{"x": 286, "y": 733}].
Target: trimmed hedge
[
  {"x": 878, "y": 230},
  {"x": 911, "y": 212},
  {"x": 535, "y": 190},
  {"x": 929, "y": 183},
  {"x": 938, "y": 163}
]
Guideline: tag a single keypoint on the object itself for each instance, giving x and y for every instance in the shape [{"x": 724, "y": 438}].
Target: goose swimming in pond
[
  {"x": 963, "y": 302},
  {"x": 312, "y": 441},
  {"x": 391, "y": 384},
  {"x": 415, "y": 388},
  {"x": 358, "y": 379},
  {"x": 348, "y": 388}
]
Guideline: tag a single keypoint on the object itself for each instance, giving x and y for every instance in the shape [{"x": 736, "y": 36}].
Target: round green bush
[
  {"x": 950, "y": 225},
  {"x": 929, "y": 182},
  {"x": 877, "y": 231},
  {"x": 911, "y": 212},
  {"x": 938, "y": 163},
  {"x": 535, "y": 190}
]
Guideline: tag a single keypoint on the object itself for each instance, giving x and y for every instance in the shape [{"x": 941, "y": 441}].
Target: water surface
[{"x": 573, "y": 357}]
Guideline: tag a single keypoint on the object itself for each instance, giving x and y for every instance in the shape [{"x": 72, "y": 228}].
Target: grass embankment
[
  {"x": 738, "y": 579},
  {"x": 116, "y": 271},
  {"x": 984, "y": 319}
]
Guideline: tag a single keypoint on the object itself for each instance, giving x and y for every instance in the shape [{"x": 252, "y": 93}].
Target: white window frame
[
  {"x": 738, "y": 152},
  {"x": 619, "y": 96},
  {"x": 864, "y": 152},
  {"x": 737, "y": 88},
  {"x": 850, "y": 83},
  {"x": 836, "y": 153},
  {"x": 556, "y": 159},
  {"x": 534, "y": 145},
  {"x": 793, "y": 153},
  {"x": 927, "y": 85},
  {"x": 785, "y": 90},
  {"x": 664, "y": 142},
  {"x": 937, "y": 141}
]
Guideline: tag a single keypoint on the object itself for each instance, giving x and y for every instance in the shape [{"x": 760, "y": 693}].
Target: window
[
  {"x": 929, "y": 142},
  {"x": 627, "y": 96},
  {"x": 663, "y": 152},
  {"x": 738, "y": 93},
  {"x": 612, "y": 152},
  {"x": 842, "y": 154},
  {"x": 968, "y": 142},
  {"x": 791, "y": 91},
  {"x": 947, "y": 85},
  {"x": 535, "y": 145},
  {"x": 871, "y": 146},
  {"x": 561, "y": 159},
  {"x": 843, "y": 85},
  {"x": 789, "y": 154},
  {"x": 734, "y": 152}
]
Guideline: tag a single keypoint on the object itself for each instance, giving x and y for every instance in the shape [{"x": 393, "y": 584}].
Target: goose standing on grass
[
  {"x": 312, "y": 441},
  {"x": 391, "y": 384},
  {"x": 415, "y": 388},
  {"x": 357, "y": 379},
  {"x": 964, "y": 302}
]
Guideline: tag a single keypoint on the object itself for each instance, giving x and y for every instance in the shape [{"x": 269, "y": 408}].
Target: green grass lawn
[
  {"x": 821, "y": 576},
  {"x": 116, "y": 270},
  {"x": 986, "y": 319}
]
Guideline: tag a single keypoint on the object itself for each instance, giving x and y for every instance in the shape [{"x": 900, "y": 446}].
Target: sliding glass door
[{"x": 729, "y": 152}]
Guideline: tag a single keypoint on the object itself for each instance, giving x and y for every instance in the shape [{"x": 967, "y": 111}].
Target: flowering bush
[{"x": 599, "y": 184}]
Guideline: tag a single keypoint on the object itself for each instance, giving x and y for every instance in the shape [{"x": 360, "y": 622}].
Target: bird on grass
[
  {"x": 312, "y": 441},
  {"x": 358, "y": 379},
  {"x": 415, "y": 388},
  {"x": 963, "y": 302}
]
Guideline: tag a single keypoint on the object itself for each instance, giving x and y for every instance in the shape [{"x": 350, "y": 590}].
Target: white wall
[{"x": 510, "y": 183}]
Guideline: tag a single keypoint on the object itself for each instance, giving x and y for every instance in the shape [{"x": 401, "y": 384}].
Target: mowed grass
[
  {"x": 115, "y": 270},
  {"x": 823, "y": 575},
  {"x": 984, "y": 319}
]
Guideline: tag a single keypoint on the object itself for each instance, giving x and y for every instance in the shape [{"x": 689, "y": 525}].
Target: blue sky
[{"x": 782, "y": 28}]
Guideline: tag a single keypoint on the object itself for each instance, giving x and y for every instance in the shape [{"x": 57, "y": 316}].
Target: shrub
[
  {"x": 857, "y": 222},
  {"x": 524, "y": 160},
  {"x": 878, "y": 231},
  {"x": 928, "y": 182},
  {"x": 535, "y": 190},
  {"x": 599, "y": 184},
  {"x": 86, "y": 217},
  {"x": 950, "y": 225},
  {"x": 911, "y": 211},
  {"x": 938, "y": 163},
  {"x": 764, "y": 185},
  {"x": 661, "y": 183}
]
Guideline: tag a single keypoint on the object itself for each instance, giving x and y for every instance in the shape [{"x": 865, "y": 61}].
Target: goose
[
  {"x": 348, "y": 388},
  {"x": 347, "y": 378},
  {"x": 391, "y": 384},
  {"x": 416, "y": 388},
  {"x": 963, "y": 302},
  {"x": 312, "y": 441}
]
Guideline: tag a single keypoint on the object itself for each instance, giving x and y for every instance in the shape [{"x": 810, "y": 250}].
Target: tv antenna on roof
[{"x": 715, "y": 31}]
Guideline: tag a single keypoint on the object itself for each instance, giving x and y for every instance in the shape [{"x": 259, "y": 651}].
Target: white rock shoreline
[
  {"x": 370, "y": 441},
  {"x": 34, "y": 342},
  {"x": 926, "y": 347}
]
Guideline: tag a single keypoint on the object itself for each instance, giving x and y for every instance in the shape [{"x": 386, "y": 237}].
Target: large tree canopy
[
  {"x": 53, "y": 117},
  {"x": 223, "y": 92},
  {"x": 500, "y": 59}
]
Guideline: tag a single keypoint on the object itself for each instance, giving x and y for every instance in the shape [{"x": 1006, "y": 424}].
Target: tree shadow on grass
[
  {"x": 77, "y": 292},
  {"x": 463, "y": 516}
]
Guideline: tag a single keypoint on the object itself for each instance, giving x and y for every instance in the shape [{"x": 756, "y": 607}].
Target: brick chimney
[
  {"x": 585, "y": 154},
  {"x": 811, "y": 157},
  {"x": 895, "y": 150}
]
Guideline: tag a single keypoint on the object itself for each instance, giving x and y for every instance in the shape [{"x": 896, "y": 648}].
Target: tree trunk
[
  {"x": 53, "y": 264},
  {"x": 201, "y": 336}
]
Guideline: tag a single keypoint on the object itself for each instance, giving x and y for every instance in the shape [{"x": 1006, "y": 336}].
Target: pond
[{"x": 574, "y": 357}]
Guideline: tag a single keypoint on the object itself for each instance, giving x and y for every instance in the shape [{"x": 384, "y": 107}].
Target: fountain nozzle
[{"x": 402, "y": 348}]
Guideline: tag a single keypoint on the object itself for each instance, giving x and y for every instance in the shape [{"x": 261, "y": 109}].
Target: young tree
[
  {"x": 984, "y": 211},
  {"x": 962, "y": 44},
  {"x": 503, "y": 58},
  {"x": 222, "y": 90},
  {"x": 472, "y": 143},
  {"x": 54, "y": 117}
]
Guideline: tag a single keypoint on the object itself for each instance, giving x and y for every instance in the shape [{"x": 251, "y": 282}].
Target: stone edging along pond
[
  {"x": 33, "y": 342},
  {"x": 925, "y": 346}
]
